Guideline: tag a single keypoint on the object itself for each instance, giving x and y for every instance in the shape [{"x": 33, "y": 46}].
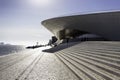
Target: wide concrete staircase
[{"x": 93, "y": 60}]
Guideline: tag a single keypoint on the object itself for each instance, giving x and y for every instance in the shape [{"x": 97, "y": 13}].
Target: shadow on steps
[{"x": 60, "y": 47}]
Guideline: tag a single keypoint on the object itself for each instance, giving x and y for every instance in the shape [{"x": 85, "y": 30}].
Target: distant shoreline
[{"x": 9, "y": 49}]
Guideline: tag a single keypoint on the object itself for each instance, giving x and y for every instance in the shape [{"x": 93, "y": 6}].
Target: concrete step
[
  {"x": 114, "y": 61},
  {"x": 104, "y": 67},
  {"x": 96, "y": 64},
  {"x": 99, "y": 47},
  {"x": 117, "y": 53},
  {"x": 102, "y": 53},
  {"x": 93, "y": 75},
  {"x": 80, "y": 73}
]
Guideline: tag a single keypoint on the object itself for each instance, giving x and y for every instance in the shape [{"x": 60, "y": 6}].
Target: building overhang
[{"x": 105, "y": 24}]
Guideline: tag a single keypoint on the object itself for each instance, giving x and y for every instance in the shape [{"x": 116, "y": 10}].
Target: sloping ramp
[{"x": 97, "y": 60}]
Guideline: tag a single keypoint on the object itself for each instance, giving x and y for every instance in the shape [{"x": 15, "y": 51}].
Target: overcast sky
[{"x": 20, "y": 20}]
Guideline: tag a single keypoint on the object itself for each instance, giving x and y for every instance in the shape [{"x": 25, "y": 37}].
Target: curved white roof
[{"x": 105, "y": 24}]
